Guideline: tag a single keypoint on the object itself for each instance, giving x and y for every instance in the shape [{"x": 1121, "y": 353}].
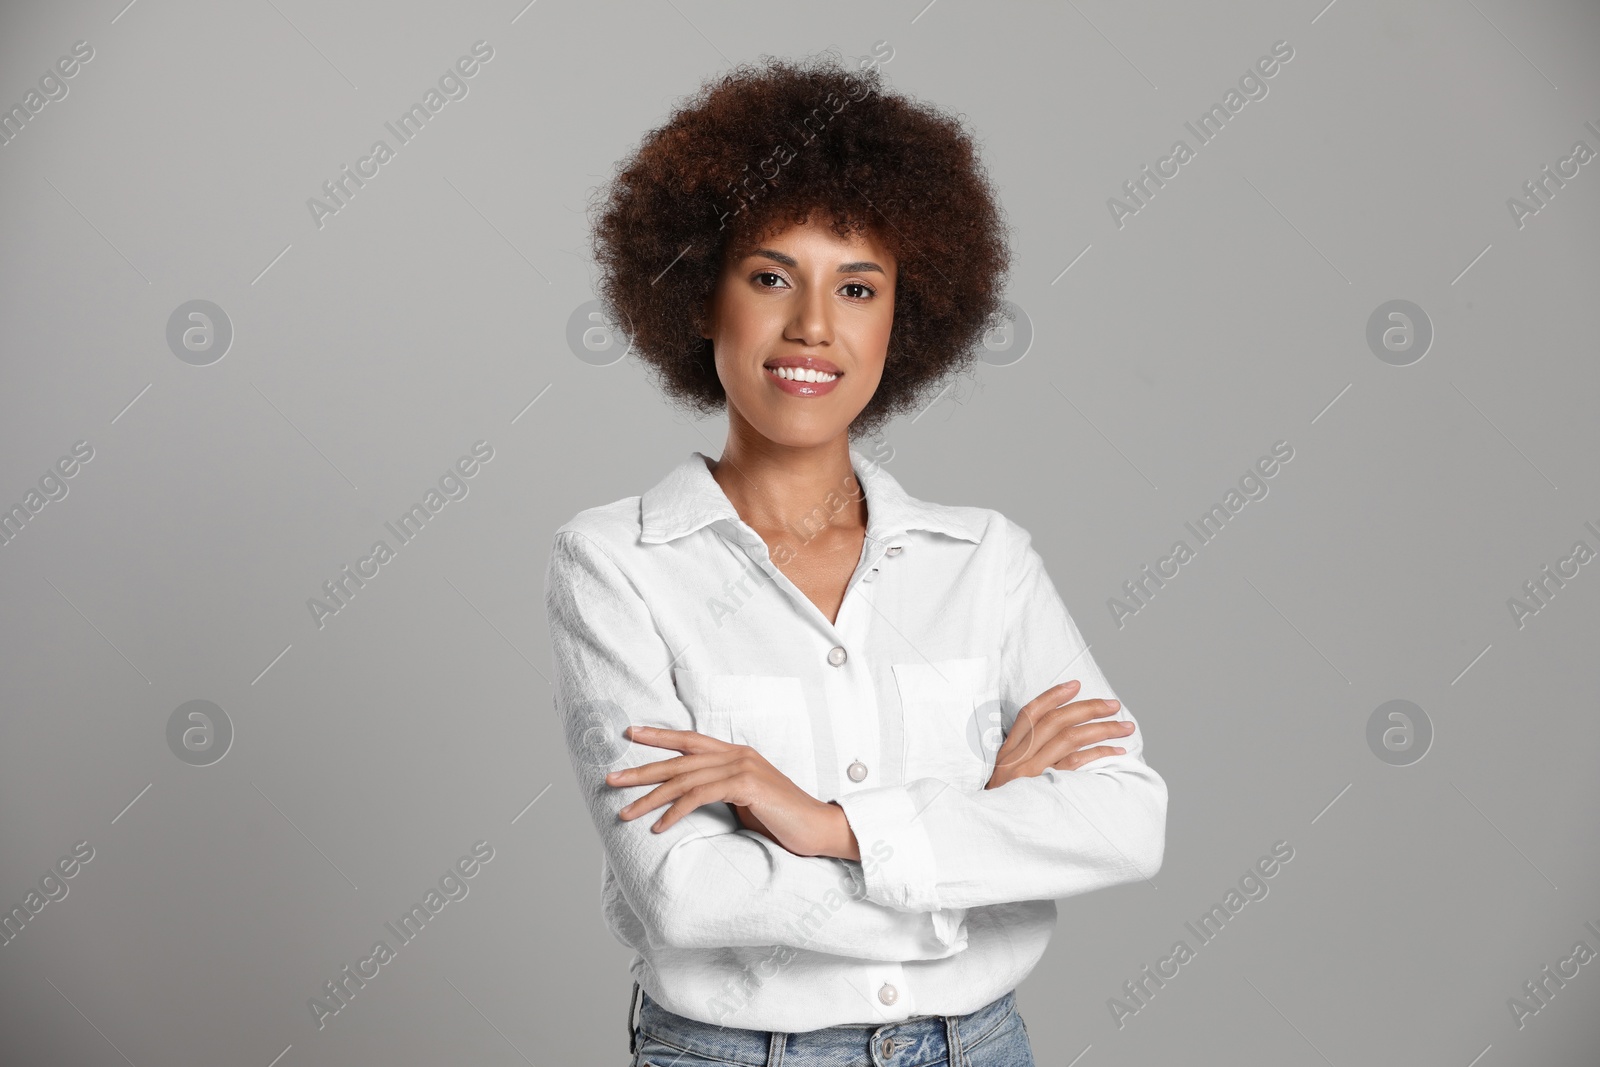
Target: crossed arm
[
  {"x": 1049, "y": 732},
  {"x": 741, "y": 852}
]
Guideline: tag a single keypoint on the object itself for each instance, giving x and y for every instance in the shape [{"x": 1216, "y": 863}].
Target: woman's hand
[
  {"x": 712, "y": 771},
  {"x": 1050, "y": 733},
  {"x": 748, "y": 820}
]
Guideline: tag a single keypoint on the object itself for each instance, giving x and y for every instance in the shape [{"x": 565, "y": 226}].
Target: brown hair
[{"x": 763, "y": 146}]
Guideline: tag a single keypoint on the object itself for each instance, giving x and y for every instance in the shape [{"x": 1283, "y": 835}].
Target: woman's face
[{"x": 805, "y": 300}]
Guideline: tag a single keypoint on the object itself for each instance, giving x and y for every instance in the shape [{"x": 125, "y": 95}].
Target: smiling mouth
[{"x": 802, "y": 374}]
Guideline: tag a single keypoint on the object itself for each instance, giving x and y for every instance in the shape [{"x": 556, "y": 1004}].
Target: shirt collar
[{"x": 689, "y": 498}]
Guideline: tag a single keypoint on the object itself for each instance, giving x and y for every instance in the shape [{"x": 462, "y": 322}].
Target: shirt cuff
[
  {"x": 896, "y": 854},
  {"x": 949, "y": 924}
]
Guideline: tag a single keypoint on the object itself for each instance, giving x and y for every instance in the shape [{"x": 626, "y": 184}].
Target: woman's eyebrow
[{"x": 859, "y": 267}]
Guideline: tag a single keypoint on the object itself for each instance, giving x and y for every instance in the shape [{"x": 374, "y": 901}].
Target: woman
[{"x": 844, "y": 747}]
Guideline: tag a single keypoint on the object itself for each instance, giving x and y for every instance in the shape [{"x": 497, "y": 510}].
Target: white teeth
[{"x": 802, "y": 374}]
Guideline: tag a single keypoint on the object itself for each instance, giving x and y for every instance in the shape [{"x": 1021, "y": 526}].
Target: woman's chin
[{"x": 801, "y": 429}]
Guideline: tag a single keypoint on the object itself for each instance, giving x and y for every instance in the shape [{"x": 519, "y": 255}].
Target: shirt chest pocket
[
  {"x": 768, "y": 712},
  {"x": 943, "y": 707}
]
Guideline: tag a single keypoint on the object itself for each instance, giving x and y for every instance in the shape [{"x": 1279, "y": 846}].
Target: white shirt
[{"x": 666, "y": 610}]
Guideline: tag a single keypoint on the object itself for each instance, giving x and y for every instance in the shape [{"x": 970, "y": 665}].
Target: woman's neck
[{"x": 781, "y": 487}]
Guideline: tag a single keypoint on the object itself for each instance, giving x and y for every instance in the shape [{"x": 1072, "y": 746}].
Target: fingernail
[
  {"x": 1120, "y": 751},
  {"x": 1113, "y": 704}
]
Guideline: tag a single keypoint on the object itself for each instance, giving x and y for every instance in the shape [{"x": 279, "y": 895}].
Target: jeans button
[{"x": 888, "y": 1047}]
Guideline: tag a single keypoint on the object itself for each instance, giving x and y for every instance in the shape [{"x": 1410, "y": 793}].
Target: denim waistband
[{"x": 921, "y": 1039}]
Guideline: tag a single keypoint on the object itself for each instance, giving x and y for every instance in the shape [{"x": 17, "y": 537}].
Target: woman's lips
[{"x": 799, "y": 388}]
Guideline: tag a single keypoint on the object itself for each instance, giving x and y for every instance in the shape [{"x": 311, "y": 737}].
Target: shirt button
[
  {"x": 857, "y": 771},
  {"x": 870, "y": 575},
  {"x": 888, "y": 994},
  {"x": 837, "y": 655},
  {"x": 895, "y": 550}
]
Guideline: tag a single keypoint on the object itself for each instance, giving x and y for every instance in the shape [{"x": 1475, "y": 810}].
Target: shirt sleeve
[
  {"x": 706, "y": 881},
  {"x": 1048, "y": 836}
]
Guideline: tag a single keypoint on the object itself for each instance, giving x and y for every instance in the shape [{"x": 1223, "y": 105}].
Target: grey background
[{"x": 368, "y": 355}]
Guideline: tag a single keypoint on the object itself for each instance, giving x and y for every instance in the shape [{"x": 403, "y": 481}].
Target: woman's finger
[
  {"x": 1097, "y": 731},
  {"x": 1055, "y": 722},
  {"x": 1056, "y": 695},
  {"x": 1077, "y": 738},
  {"x": 659, "y": 770},
  {"x": 681, "y": 740},
  {"x": 1031, "y": 712},
  {"x": 1022, "y": 738},
  {"x": 1037, "y": 732},
  {"x": 672, "y": 789},
  {"x": 1082, "y": 711},
  {"x": 704, "y": 793},
  {"x": 1052, "y": 698},
  {"x": 1077, "y": 759}
]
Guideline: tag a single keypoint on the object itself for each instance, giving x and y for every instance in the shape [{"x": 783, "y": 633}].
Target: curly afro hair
[{"x": 763, "y": 146}]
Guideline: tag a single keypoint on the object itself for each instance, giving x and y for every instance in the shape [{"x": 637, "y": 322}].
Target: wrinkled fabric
[{"x": 667, "y": 610}]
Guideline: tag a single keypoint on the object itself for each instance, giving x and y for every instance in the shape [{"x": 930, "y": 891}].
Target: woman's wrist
[{"x": 838, "y": 839}]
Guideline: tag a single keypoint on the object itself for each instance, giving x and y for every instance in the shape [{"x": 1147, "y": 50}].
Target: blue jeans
[{"x": 992, "y": 1036}]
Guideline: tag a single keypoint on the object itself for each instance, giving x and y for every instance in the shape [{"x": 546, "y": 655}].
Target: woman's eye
[
  {"x": 865, "y": 291},
  {"x": 761, "y": 277}
]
